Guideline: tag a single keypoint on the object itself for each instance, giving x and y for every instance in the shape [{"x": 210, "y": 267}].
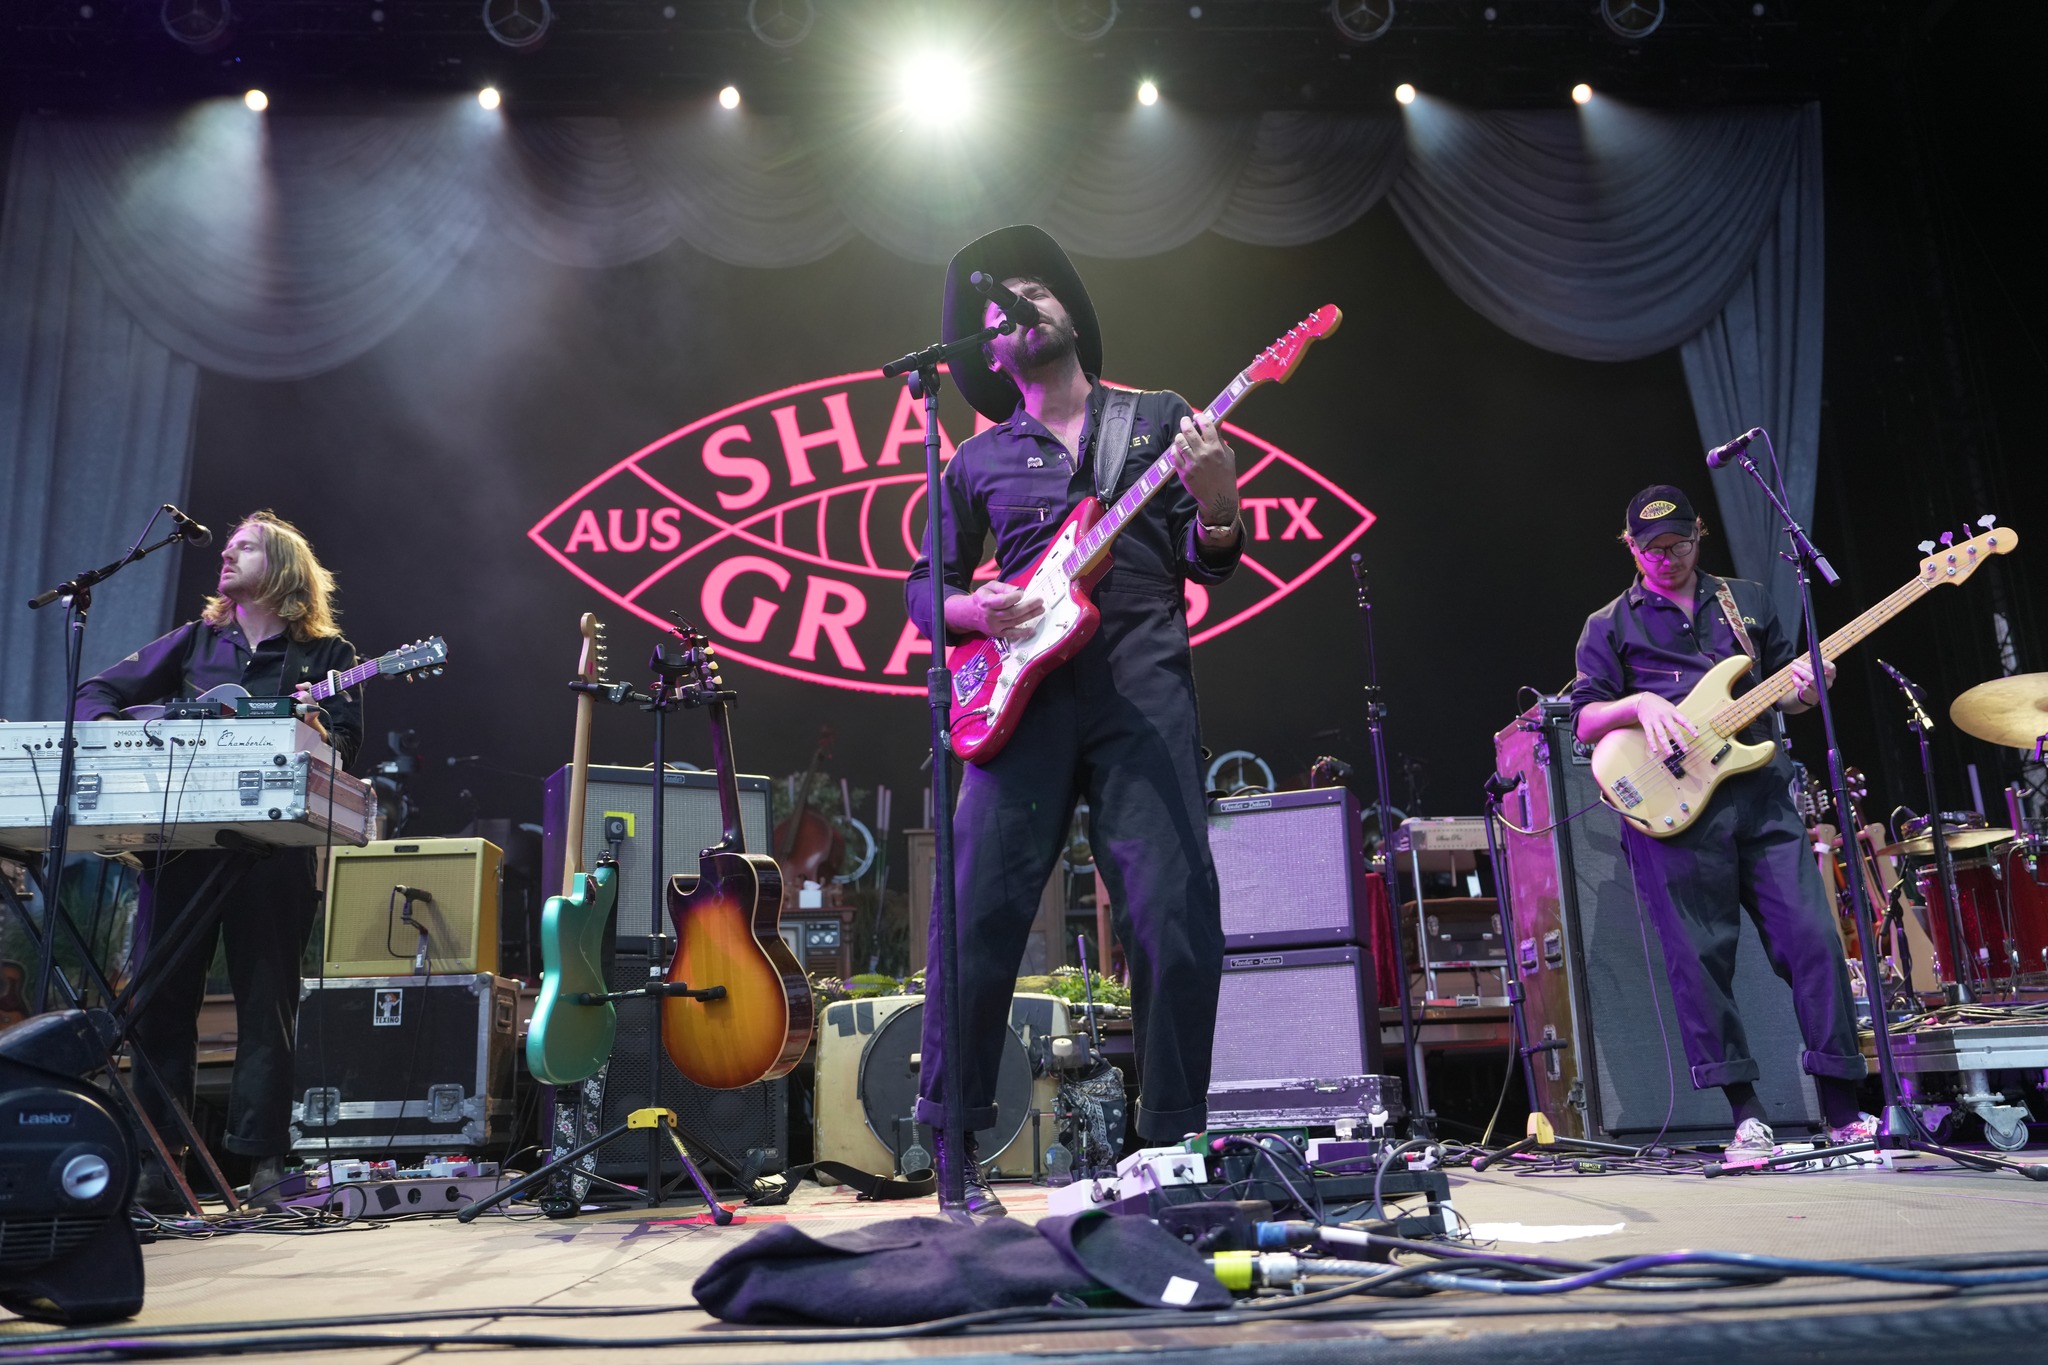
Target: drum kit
[{"x": 2001, "y": 887}]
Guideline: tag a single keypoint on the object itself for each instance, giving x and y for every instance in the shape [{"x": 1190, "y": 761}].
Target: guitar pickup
[
  {"x": 1674, "y": 764},
  {"x": 1719, "y": 754},
  {"x": 1626, "y": 793}
]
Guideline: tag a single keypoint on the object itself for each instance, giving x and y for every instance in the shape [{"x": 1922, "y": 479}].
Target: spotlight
[
  {"x": 256, "y": 100},
  {"x": 1582, "y": 93},
  {"x": 489, "y": 97},
  {"x": 934, "y": 86},
  {"x": 1404, "y": 93},
  {"x": 1148, "y": 93},
  {"x": 729, "y": 98}
]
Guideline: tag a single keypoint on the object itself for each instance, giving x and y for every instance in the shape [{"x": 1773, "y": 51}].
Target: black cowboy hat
[{"x": 1007, "y": 253}]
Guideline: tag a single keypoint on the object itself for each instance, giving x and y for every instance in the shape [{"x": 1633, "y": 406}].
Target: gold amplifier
[{"x": 365, "y": 934}]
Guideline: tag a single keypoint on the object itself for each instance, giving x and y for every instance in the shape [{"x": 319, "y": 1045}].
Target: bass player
[
  {"x": 1116, "y": 724},
  {"x": 1638, "y": 655}
]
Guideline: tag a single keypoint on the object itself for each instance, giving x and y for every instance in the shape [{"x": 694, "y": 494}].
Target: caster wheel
[{"x": 2007, "y": 1139}]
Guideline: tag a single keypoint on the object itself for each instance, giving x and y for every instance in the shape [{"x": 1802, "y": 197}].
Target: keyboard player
[{"x": 271, "y": 629}]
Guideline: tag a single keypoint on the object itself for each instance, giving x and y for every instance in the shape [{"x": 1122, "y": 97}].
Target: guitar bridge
[{"x": 1626, "y": 793}]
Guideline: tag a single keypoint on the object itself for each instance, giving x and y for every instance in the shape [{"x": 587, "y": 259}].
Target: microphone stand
[
  {"x": 922, "y": 367},
  {"x": 1421, "y": 1119},
  {"x": 1963, "y": 992},
  {"x": 1899, "y": 1130}
]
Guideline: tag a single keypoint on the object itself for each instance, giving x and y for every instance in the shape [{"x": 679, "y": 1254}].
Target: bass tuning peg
[
  {"x": 1948, "y": 538},
  {"x": 1987, "y": 521},
  {"x": 1926, "y": 547}
]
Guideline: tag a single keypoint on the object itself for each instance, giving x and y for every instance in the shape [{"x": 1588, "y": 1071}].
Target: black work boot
[{"x": 979, "y": 1203}]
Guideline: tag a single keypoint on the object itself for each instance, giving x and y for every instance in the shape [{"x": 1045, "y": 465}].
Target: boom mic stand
[
  {"x": 1898, "y": 1130},
  {"x": 1421, "y": 1121},
  {"x": 923, "y": 369}
]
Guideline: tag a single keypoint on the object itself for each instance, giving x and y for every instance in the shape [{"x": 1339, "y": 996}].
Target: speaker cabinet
[
  {"x": 867, "y": 1083},
  {"x": 689, "y": 809},
  {"x": 1291, "y": 866},
  {"x": 364, "y": 935},
  {"x": 1593, "y": 969},
  {"x": 733, "y": 1121},
  {"x": 1297, "y": 1039}
]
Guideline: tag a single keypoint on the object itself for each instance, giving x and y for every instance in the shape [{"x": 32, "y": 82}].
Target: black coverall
[
  {"x": 269, "y": 912},
  {"x": 1746, "y": 851},
  {"x": 1117, "y": 725}
]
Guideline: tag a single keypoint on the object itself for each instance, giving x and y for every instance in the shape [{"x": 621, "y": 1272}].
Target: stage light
[
  {"x": 729, "y": 98},
  {"x": 1404, "y": 93},
  {"x": 489, "y": 97},
  {"x": 1148, "y": 93},
  {"x": 934, "y": 86},
  {"x": 256, "y": 100},
  {"x": 1582, "y": 93}
]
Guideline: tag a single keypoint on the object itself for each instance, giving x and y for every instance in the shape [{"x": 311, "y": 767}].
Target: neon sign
[{"x": 784, "y": 527}]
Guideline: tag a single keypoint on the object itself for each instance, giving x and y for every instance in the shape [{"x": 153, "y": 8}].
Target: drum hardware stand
[
  {"x": 660, "y": 1123},
  {"x": 1922, "y": 725},
  {"x": 1421, "y": 1119},
  {"x": 1898, "y": 1129},
  {"x": 922, "y": 367},
  {"x": 110, "y": 1025}
]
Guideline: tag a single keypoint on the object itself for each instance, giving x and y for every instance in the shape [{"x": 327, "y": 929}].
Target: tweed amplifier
[
  {"x": 1297, "y": 1041},
  {"x": 365, "y": 933},
  {"x": 1291, "y": 866}
]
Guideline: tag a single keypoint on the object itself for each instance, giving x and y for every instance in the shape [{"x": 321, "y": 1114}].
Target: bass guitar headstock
[{"x": 1950, "y": 562}]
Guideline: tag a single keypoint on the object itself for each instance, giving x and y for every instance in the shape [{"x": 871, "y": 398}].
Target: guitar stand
[
  {"x": 1542, "y": 1136},
  {"x": 659, "y": 1123}
]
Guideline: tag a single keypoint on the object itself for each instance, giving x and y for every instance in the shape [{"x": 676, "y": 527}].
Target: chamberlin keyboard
[{"x": 180, "y": 784}]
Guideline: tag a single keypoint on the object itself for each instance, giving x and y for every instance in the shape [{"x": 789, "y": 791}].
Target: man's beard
[{"x": 1046, "y": 344}]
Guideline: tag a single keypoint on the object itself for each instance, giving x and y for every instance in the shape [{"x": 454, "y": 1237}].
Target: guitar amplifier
[
  {"x": 1291, "y": 866},
  {"x": 364, "y": 935},
  {"x": 1592, "y": 966},
  {"x": 689, "y": 809},
  {"x": 1297, "y": 1041}
]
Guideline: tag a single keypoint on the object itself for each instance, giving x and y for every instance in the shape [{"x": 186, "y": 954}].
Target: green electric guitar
[{"x": 569, "y": 1041}]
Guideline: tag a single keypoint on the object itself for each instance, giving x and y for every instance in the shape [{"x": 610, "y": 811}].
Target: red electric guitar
[{"x": 993, "y": 679}]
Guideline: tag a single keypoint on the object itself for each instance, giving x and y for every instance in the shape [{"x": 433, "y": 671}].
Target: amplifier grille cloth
[
  {"x": 1316, "y": 1005},
  {"x": 694, "y": 824},
  {"x": 1283, "y": 870}
]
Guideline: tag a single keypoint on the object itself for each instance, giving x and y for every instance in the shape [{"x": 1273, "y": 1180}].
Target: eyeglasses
[{"x": 1677, "y": 549}]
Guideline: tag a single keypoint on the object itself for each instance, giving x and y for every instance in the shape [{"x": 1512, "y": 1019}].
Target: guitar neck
[
  {"x": 1744, "y": 710},
  {"x": 341, "y": 682},
  {"x": 579, "y": 789},
  {"x": 735, "y": 840},
  {"x": 1088, "y": 553}
]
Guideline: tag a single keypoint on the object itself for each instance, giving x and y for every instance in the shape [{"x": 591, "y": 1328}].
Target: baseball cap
[{"x": 1658, "y": 509}]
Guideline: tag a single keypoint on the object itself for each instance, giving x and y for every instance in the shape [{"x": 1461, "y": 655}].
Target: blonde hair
[{"x": 295, "y": 584}]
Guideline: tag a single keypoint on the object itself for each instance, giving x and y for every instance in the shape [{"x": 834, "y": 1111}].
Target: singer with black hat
[
  {"x": 1115, "y": 725},
  {"x": 1638, "y": 656}
]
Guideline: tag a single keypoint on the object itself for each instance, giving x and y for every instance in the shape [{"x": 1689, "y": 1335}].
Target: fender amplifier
[
  {"x": 1297, "y": 1041},
  {"x": 1291, "y": 867},
  {"x": 364, "y": 934}
]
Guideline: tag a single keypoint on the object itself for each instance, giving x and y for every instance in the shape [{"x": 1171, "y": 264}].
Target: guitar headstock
[
  {"x": 592, "y": 657},
  {"x": 1952, "y": 563},
  {"x": 420, "y": 659},
  {"x": 1277, "y": 361},
  {"x": 699, "y": 683}
]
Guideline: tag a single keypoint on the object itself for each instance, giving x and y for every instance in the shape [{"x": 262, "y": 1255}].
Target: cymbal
[
  {"x": 1958, "y": 840},
  {"x": 2010, "y": 711}
]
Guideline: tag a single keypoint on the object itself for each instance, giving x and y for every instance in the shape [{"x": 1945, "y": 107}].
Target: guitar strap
[
  {"x": 1734, "y": 615},
  {"x": 1113, "y": 441}
]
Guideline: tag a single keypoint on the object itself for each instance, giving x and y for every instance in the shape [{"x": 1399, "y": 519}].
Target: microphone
[
  {"x": 1499, "y": 786},
  {"x": 194, "y": 533},
  {"x": 1722, "y": 454},
  {"x": 1022, "y": 312},
  {"x": 413, "y": 893},
  {"x": 1906, "y": 684}
]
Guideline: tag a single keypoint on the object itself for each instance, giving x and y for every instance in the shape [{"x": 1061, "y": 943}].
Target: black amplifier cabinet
[
  {"x": 1593, "y": 969},
  {"x": 404, "y": 1064},
  {"x": 689, "y": 809},
  {"x": 1291, "y": 866},
  {"x": 1297, "y": 1041}
]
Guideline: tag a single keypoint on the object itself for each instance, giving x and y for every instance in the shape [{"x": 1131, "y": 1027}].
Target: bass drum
[
  {"x": 2004, "y": 908},
  {"x": 888, "y": 1091}
]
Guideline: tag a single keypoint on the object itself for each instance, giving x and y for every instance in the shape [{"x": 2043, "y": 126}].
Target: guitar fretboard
[
  {"x": 1740, "y": 713},
  {"x": 341, "y": 682},
  {"x": 1091, "y": 547}
]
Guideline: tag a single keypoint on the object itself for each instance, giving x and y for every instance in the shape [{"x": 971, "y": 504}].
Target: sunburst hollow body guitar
[{"x": 1663, "y": 794}]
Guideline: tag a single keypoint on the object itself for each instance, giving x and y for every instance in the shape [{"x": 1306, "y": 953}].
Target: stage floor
[{"x": 642, "y": 1260}]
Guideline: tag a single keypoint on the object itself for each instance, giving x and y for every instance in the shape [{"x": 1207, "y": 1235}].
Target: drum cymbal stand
[{"x": 1963, "y": 991}]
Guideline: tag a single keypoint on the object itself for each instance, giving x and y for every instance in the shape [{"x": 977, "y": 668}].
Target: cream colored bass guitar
[{"x": 1662, "y": 794}]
